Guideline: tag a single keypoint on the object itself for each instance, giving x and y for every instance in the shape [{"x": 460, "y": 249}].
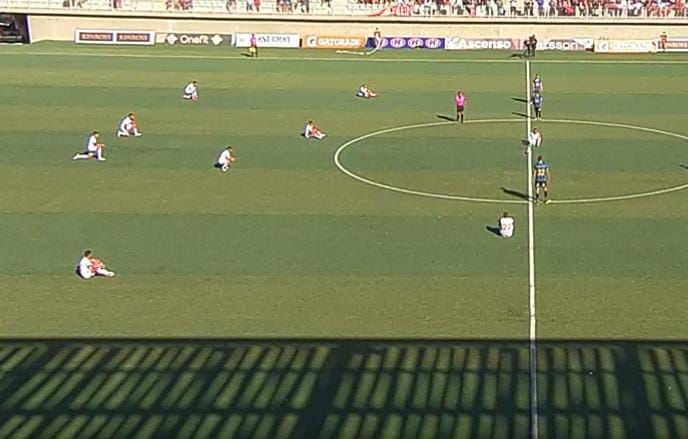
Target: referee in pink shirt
[{"x": 460, "y": 105}]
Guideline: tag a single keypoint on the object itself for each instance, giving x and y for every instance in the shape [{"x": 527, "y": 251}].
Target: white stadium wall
[{"x": 62, "y": 27}]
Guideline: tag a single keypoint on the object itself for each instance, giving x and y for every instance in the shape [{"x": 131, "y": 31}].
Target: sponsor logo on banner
[
  {"x": 566, "y": 44},
  {"x": 408, "y": 43},
  {"x": 456, "y": 43},
  {"x": 91, "y": 36},
  {"x": 675, "y": 45},
  {"x": 333, "y": 42},
  {"x": 625, "y": 46},
  {"x": 268, "y": 40},
  {"x": 197, "y": 39}
]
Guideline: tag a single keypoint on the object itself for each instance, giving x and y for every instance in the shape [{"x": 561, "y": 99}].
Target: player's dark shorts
[
  {"x": 459, "y": 109},
  {"x": 541, "y": 183}
]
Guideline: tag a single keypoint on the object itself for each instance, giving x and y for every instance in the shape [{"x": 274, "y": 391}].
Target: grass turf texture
[{"x": 287, "y": 246}]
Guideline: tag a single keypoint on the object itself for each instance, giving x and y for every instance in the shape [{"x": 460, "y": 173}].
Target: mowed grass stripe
[{"x": 267, "y": 306}]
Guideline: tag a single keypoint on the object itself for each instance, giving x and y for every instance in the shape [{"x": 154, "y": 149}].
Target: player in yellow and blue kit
[{"x": 541, "y": 177}]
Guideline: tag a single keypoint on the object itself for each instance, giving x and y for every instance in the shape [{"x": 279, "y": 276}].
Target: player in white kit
[
  {"x": 506, "y": 225},
  {"x": 225, "y": 159},
  {"x": 191, "y": 91},
  {"x": 93, "y": 149},
  {"x": 89, "y": 267},
  {"x": 310, "y": 131},
  {"x": 128, "y": 127}
]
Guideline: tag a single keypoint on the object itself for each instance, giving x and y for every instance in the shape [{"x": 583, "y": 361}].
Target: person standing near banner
[{"x": 253, "y": 48}]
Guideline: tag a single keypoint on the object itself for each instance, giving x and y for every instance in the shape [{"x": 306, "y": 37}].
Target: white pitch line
[
  {"x": 390, "y": 187},
  {"x": 532, "y": 334},
  {"x": 329, "y": 59},
  {"x": 365, "y": 180}
]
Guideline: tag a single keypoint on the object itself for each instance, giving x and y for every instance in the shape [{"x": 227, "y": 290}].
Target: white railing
[{"x": 497, "y": 9}]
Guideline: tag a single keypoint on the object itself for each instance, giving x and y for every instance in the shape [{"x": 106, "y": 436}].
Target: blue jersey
[
  {"x": 537, "y": 101},
  {"x": 537, "y": 84},
  {"x": 541, "y": 169}
]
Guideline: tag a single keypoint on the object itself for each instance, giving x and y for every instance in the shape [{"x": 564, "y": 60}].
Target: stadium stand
[{"x": 582, "y": 9}]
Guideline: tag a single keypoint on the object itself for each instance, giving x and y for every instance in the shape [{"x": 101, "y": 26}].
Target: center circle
[{"x": 477, "y": 199}]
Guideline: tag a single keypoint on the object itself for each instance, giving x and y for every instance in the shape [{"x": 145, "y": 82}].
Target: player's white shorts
[{"x": 506, "y": 233}]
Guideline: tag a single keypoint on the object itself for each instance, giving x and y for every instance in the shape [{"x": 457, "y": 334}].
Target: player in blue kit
[
  {"x": 537, "y": 105},
  {"x": 541, "y": 177}
]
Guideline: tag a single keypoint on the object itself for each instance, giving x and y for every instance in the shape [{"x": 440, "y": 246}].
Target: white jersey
[
  {"x": 225, "y": 157},
  {"x": 92, "y": 143},
  {"x": 308, "y": 130},
  {"x": 190, "y": 88},
  {"x": 506, "y": 226},
  {"x": 85, "y": 267},
  {"x": 534, "y": 139},
  {"x": 126, "y": 125}
]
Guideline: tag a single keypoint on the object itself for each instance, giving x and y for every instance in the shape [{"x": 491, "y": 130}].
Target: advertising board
[
  {"x": 268, "y": 40},
  {"x": 101, "y": 36},
  {"x": 408, "y": 43},
  {"x": 333, "y": 42}
]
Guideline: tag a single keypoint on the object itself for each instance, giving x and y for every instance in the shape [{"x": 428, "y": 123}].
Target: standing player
[
  {"x": 92, "y": 149},
  {"x": 128, "y": 127},
  {"x": 225, "y": 159},
  {"x": 253, "y": 49},
  {"x": 537, "y": 105},
  {"x": 377, "y": 37},
  {"x": 537, "y": 84},
  {"x": 460, "y": 105},
  {"x": 541, "y": 177},
  {"x": 506, "y": 223},
  {"x": 191, "y": 91}
]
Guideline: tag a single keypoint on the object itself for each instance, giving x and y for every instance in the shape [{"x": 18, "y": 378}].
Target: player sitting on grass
[
  {"x": 534, "y": 138},
  {"x": 225, "y": 159},
  {"x": 128, "y": 127},
  {"x": 191, "y": 91},
  {"x": 310, "y": 131},
  {"x": 89, "y": 266},
  {"x": 93, "y": 149},
  {"x": 505, "y": 223},
  {"x": 365, "y": 92},
  {"x": 541, "y": 176}
]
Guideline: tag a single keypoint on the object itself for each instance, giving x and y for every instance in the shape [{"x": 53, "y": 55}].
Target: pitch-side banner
[
  {"x": 566, "y": 44},
  {"x": 675, "y": 45},
  {"x": 184, "y": 39},
  {"x": 408, "y": 43},
  {"x": 458, "y": 43},
  {"x": 268, "y": 40},
  {"x": 625, "y": 46},
  {"x": 333, "y": 42},
  {"x": 99, "y": 36}
]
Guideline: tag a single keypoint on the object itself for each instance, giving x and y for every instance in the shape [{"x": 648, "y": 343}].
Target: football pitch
[{"x": 302, "y": 296}]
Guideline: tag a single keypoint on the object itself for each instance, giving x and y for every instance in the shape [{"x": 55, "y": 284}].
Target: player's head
[
  {"x": 229, "y": 148},
  {"x": 505, "y": 214},
  {"x": 96, "y": 133},
  {"x": 539, "y": 159},
  {"x": 310, "y": 122},
  {"x": 194, "y": 82},
  {"x": 132, "y": 115},
  {"x": 535, "y": 130},
  {"x": 87, "y": 253}
]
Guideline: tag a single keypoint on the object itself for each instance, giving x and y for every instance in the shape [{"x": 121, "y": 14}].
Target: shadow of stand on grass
[{"x": 345, "y": 388}]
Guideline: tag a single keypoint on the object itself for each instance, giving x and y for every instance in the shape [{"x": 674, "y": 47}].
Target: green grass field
[{"x": 354, "y": 311}]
